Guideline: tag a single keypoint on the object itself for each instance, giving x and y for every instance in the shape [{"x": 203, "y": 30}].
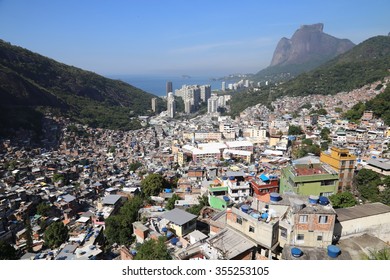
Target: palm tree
[{"x": 383, "y": 254}]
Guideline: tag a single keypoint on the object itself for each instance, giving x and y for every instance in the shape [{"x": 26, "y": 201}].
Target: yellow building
[{"x": 343, "y": 163}]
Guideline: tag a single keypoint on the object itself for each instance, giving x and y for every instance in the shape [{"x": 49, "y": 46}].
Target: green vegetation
[
  {"x": 43, "y": 209},
  {"x": 7, "y": 252},
  {"x": 56, "y": 234},
  {"x": 364, "y": 64},
  {"x": 134, "y": 166},
  {"x": 355, "y": 113},
  {"x": 382, "y": 254},
  {"x": 31, "y": 82},
  {"x": 294, "y": 130},
  {"x": 153, "y": 250},
  {"x": 366, "y": 182},
  {"x": 119, "y": 227},
  {"x": 58, "y": 177},
  {"x": 171, "y": 202},
  {"x": 153, "y": 184},
  {"x": 342, "y": 200},
  {"x": 195, "y": 210}
]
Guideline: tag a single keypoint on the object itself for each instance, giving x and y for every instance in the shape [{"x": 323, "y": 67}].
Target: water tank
[
  {"x": 168, "y": 190},
  {"x": 296, "y": 252},
  {"x": 245, "y": 208},
  {"x": 169, "y": 234},
  {"x": 164, "y": 229},
  {"x": 323, "y": 200},
  {"x": 226, "y": 198},
  {"x": 274, "y": 197},
  {"x": 313, "y": 199},
  {"x": 264, "y": 216},
  {"x": 255, "y": 215},
  {"x": 231, "y": 178},
  {"x": 133, "y": 252},
  {"x": 252, "y": 173},
  {"x": 297, "y": 205},
  {"x": 179, "y": 244},
  {"x": 224, "y": 178},
  {"x": 174, "y": 240},
  {"x": 333, "y": 251}
]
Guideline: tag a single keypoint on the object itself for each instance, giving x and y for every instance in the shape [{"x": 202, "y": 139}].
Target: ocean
[{"x": 157, "y": 84}]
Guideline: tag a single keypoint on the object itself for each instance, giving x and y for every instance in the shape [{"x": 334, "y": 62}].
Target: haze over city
[{"x": 178, "y": 37}]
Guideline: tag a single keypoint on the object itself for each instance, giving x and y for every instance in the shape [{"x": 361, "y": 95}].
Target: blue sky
[{"x": 198, "y": 37}]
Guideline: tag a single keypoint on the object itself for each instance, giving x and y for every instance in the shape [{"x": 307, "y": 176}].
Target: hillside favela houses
[{"x": 246, "y": 171}]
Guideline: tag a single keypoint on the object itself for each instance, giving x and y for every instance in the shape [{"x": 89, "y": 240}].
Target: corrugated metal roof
[
  {"x": 177, "y": 216},
  {"x": 361, "y": 211}
]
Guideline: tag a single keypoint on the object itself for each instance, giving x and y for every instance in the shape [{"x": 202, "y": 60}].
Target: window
[
  {"x": 319, "y": 238},
  {"x": 283, "y": 232},
  {"x": 239, "y": 220},
  {"x": 303, "y": 219},
  {"x": 300, "y": 237},
  {"x": 323, "y": 219},
  {"x": 251, "y": 229}
]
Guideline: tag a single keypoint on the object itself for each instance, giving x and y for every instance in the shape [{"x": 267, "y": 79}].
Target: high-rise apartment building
[
  {"x": 169, "y": 87},
  {"x": 154, "y": 105},
  {"x": 171, "y": 105},
  {"x": 205, "y": 92},
  {"x": 223, "y": 86},
  {"x": 212, "y": 104}
]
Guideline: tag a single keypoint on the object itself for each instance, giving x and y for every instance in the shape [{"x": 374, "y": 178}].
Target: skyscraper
[
  {"x": 154, "y": 104},
  {"x": 169, "y": 87},
  {"x": 205, "y": 92},
  {"x": 171, "y": 105},
  {"x": 223, "y": 86},
  {"x": 212, "y": 104}
]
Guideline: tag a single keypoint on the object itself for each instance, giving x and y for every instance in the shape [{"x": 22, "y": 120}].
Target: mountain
[
  {"x": 30, "y": 81},
  {"x": 308, "y": 48},
  {"x": 363, "y": 64}
]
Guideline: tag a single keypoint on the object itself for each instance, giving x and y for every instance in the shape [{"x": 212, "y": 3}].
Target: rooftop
[
  {"x": 178, "y": 216},
  {"x": 361, "y": 211}
]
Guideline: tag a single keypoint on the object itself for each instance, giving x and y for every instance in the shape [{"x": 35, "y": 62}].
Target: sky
[{"x": 177, "y": 37}]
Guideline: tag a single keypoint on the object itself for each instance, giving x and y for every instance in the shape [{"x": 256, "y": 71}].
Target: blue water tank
[
  {"x": 226, "y": 198},
  {"x": 252, "y": 173},
  {"x": 264, "y": 216},
  {"x": 323, "y": 200},
  {"x": 133, "y": 252},
  {"x": 313, "y": 199},
  {"x": 224, "y": 178},
  {"x": 231, "y": 178},
  {"x": 164, "y": 229},
  {"x": 274, "y": 197},
  {"x": 168, "y": 190},
  {"x": 333, "y": 251},
  {"x": 174, "y": 240},
  {"x": 245, "y": 208},
  {"x": 169, "y": 234},
  {"x": 255, "y": 215},
  {"x": 296, "y": 252}
]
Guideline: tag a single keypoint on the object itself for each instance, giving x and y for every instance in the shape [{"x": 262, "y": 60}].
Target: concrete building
[
  {"x": 340, "y": 160},
  {"x": 223, "y": 87},
  {"x": 380, "y": 166},
  {"x": 309, "y": 179},
  {"x": 154, "y": 105},
  {"x": 205, "y": 92},
  {"x": 179, "y": 220},
  {"x": 212, "y": 104},
  {"x": 171, "y": 105},
  {"x": 373, "y": 218},
  {"x": 169, "y": 87}
]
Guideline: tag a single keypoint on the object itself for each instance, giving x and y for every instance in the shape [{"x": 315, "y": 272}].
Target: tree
[
  {"x": 383, "y": 254},
  {"x": 153, "y": 250},
  {"x": 195, "y": 210},
  {"x": 171, "y": 202},
  {"x": 56, "y": 234},
  {"x": 294, "y": 130},
  {"x": 58, "y": 177},
  {"x": 43, "y": 209},
  {"x": 366, "y": 182},
  {"x": 153, "y": 184},
  {"x": 134, "y": 166},
  {"x": 342, "y": 200},
  {"x": 119, "y": 228},
  {"x": 7, "y": 252},
  {"x": 29, "y": 240}
]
